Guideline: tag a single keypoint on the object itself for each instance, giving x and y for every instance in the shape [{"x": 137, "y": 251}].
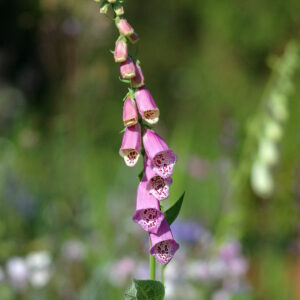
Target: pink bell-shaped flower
[
  {"x": 124, "y": 27},
  {"x": 139, "y": 80},
  {"x": 148, "y": 213},
  {"x": 157, "y": 186},
  {"x": 121, "y": 51},
  {"x": 163, "y": 245},
  {"x": 131, "y": 145},
  {"x": 162, "y": 157},
  {"x": 146, "y": 106},
  {"x": 130, "y": 115},
  {"x": 127, "y": 69}
]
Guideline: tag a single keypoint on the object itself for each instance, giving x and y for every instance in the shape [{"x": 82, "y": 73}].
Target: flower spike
[{"x": 131, "y": 145}]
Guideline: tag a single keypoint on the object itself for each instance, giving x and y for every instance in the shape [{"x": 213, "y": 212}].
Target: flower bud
[
  {"x": 121, "y": 51},
  {"x": 112, "y": 1},
  {"x": 162, "y": 158},
  {"x": 133, "y": 37},
  {"x": 119, "y": 10},
  {"x": 127, "y": 69},
  {"x": 148, "y": 213},
  {"x": 138, "y": 80},
  {"x": 146, "y": 105},
  {"x": 131, "y": 145},
  {"x": 104, "y": 8},
  {"x": 130, "y": 115},
  {"x": 124, "y": 27},
  {"x": 163, "y": 244}
]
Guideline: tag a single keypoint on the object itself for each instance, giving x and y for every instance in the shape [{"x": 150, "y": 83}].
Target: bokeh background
[{"x": 229, "y": 108}]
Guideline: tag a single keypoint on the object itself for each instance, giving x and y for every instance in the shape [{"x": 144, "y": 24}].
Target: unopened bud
[
  {"x": 133, "y": 38},
  {"x": 119, "y": 10}
]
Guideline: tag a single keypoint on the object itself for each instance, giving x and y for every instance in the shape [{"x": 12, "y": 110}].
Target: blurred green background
[{"x": 67, "y": 198}]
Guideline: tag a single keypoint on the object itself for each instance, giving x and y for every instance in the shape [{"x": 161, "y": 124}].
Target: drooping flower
[
  {"x": 163, "y": 245},
  {"x": 146, "y": 105},
  {"x": 158, "y": 186},
  {"x": 139, "y": 80},
  {"x": 148, "y": 213},
  {"x": 127, "y": 69},
  {"x": 124, "y": 27},
  {"x": 162, "y": 157},
  {"x": 130, "y": 115},
  {"x": 133, "y": 37},
  {"x": 131, "y": 145},
  {"x": 121, "y": 51}
]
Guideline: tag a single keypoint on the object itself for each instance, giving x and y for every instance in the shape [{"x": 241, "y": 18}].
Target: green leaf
[
  {"x": 141, "y": 175},
  {"x": 172, "y": 213},
  {"x": 145, "y": 290}
]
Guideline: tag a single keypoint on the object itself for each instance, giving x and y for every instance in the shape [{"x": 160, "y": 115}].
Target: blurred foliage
[{"x": 61, "y": 177}]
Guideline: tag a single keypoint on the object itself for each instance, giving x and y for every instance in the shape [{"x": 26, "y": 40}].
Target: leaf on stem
[
  {"x": 172, "y": 213},
  {"x": 145, "y": 290}
]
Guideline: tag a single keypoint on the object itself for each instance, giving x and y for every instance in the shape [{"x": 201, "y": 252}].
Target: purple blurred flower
[
  {"x": 238, "y": 267},
  {"x": 230, "y": 250},
  {"x": 187, "y": 231}
]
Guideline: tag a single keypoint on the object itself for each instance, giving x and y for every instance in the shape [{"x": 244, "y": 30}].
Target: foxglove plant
[{"x": 159, "y": 159}]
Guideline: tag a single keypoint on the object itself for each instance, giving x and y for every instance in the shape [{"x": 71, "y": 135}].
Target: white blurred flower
[
  {"x": 40, "y": 269},
  {"x": 221, "y": 295},
  {"x": 74, "y": 250},
  {"x": 218, "y": 269},
  {"x": 268, "y": 152},
  {"x": 261, "y": 179},
  {"x": 17, "y": 272},
  {"x": 38, "y": 260},
  {"x": 273, "y": 130},
  {"x": 40, "y": 278},
  {"x": 198, "y": 270}
]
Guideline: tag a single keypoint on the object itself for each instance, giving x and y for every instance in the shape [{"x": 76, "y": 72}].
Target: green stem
[
  {"x": 152, "y": 266},
  {"x": 163, "y": 274}
]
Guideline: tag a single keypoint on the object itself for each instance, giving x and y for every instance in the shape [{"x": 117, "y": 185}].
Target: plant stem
[
  {"x": 152, "y": 266},
  {"x": 163, "y": 274}
]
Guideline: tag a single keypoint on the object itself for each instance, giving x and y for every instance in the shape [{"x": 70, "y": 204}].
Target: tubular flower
[
  {"x": 162, "y": 157},
  {"x": 138, "y": 81},
  {"x": 131, "y": 145},
  {"x": 156, "y": 185},
  {"x": 124, "y": 27},
  {"x": 121, "y": 51},
  {"x": 146, "y": 105},
  {"x": 127, "y": 69},
  {"x": 133, "y": 38},
  {"x": 148, "y": 213},
  {"x": 163, "y": 244},
  {"x": 130, "y": 115}
]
